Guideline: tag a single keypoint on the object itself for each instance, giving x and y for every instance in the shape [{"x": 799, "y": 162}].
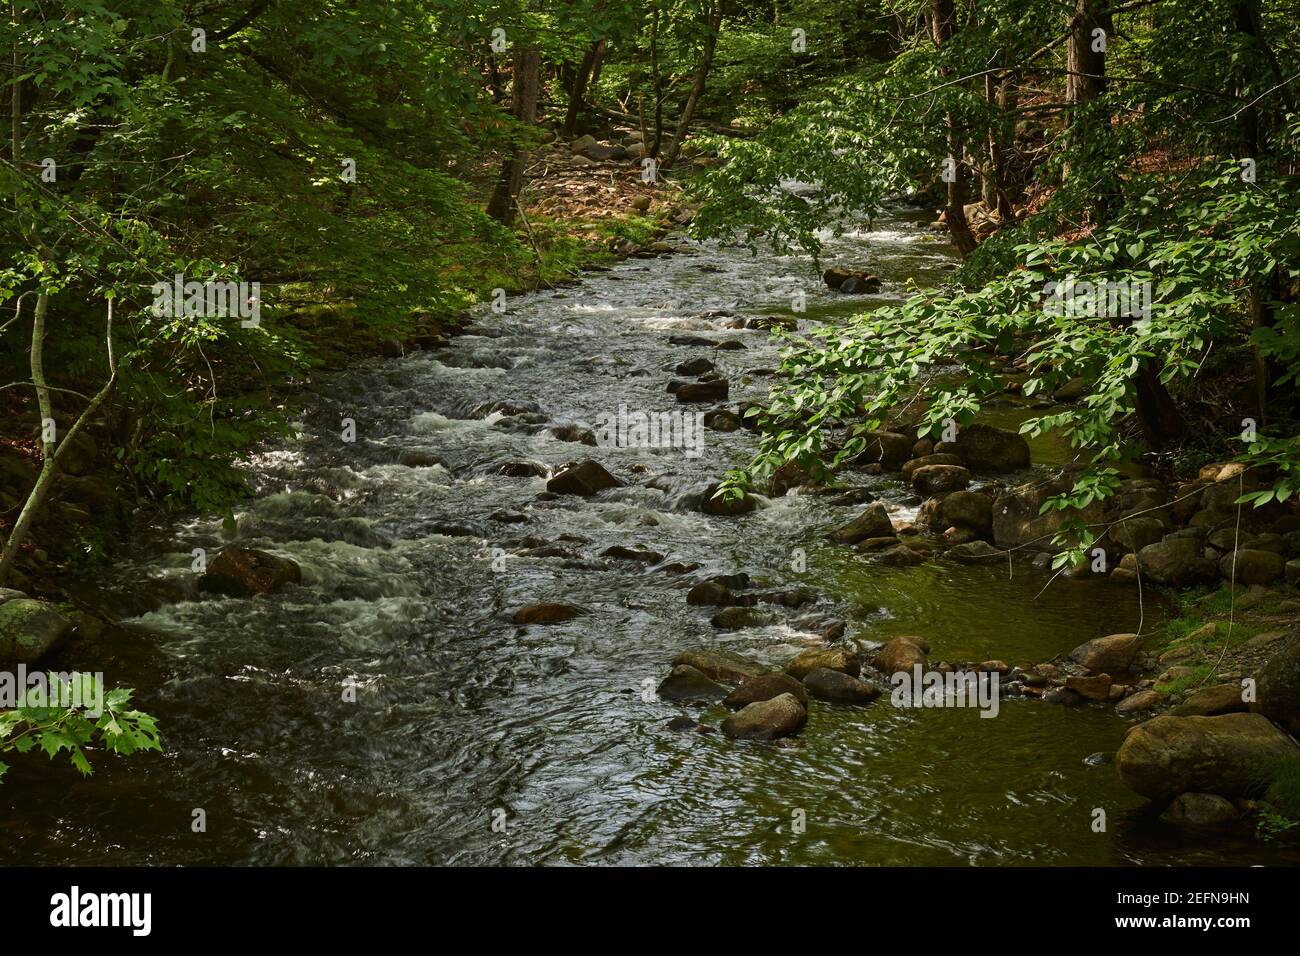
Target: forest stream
[{"x": 411, "y": 575}]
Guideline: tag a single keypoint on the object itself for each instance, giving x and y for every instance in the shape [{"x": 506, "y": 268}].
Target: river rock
[
  {"x": 574, "y": 433},
  {"x": 899, "y": 655},
  {"x": 940, "y": 458},
  {"x": 874, "y": 522},
  {"x": 713, "y": 390},
  {"x": 716, "y": 593},
  {"x": 30, "y": 629},
  {"x": 1134, "y": 534},
  {"x": 1139, "y": 702},
  {"x": 1115, "y": 652},
  {"x": 764, "y": 687},
  {"x": 724, "y": 666},
  {"x": 711, "y": 503},
  {"x": 722, "y": 420},
  {"x": 901, "y": 555},
  {"x": 975, "y": 552},
  {"x": 695, "y": 366},
  {"x": 889, "y": 449},
  {"x": 968, "y": 509},
  {"x": 838, "y": 687},
  {"x": 554, "y": 613},
  {"x": 1199, "y": 810},
  {"x": 1251, "y": 566},
  {"x": 735, "y": 617},
  {"x": 831, "y": 658},
  {"x": 1277, "y": 688},
  {"x": 1170, "y": 755},
  {"x": 1209, "y": 701},
  {"x": 781, "y": 716},
  {"x": 585, "y": 478},
  {"x": 940, "y": 479},
  {"x": 988, "y": 449},
  {"x": 632, "y": 554},
  {"x": 247, "y": 572},
  {"x": 1176, "y": 562},
  {"x": 685, "y": 682},
  {"x": 1090, "y": 688}
]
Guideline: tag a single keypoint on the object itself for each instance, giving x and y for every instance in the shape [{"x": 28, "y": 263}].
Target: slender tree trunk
[
  {"x": 52, "y": 446},
  {"x": 578, "y": 92},
  {"x": 652, "y": 149},
  {"x": 501, "y": 206},
  {"x": 942, "y": 16},
  {"x": 714, "y": 23}
]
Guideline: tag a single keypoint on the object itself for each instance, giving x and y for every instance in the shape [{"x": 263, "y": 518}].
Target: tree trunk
[
  {"x": 52, "y": 451},
  {"x": 578, "y": 92},
  {"x": 501, "y": 206},
  {"x": 652, "y": 148},
  {"x": 714, "y": 23},
  {"x": 1162, "y": 423},
  {"x": 942, "y": 15}
]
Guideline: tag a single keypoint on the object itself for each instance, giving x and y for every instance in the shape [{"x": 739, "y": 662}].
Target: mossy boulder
[{"x": 30, "y": 629}]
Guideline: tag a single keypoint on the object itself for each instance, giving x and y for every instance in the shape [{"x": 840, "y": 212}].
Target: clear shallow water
[{"x": 459, "y": 714}]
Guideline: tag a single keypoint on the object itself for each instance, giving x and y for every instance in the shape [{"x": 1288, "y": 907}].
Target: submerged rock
[
  {"x": 1200, "y": 810},
  {"x": 780, "y": 716},
  {"x": 247, "y": 572},
  {"x": 546, "y": 614},
  {"x": 585, "y": 478},
  {"x": 685, "y": 682}
]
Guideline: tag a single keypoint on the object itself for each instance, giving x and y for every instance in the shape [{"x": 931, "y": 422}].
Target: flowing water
[{"x": 410, "y": 578}]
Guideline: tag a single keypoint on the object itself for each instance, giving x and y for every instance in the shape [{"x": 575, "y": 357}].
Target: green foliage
[{"x": 68, "y": 716}]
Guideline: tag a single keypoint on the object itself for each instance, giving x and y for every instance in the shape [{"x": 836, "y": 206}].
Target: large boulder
[
  {"x": 989, "y": 449},
  {"x": 765, "y": 687},
  {"x": 874, "y": 522},
  {"x": 1225, "y": 755},
  {"x": 1277, "y": 688},
  {"x": 1209, "y": 701},
  {"x": 247, "y": 572},
  {"x": 30, "y": 629},
  {"x": 585, "y": 478},
  {"x": 1113, "y": 654},
  {"x": 1019, "y": 519},
  {"x": 712, "y": 503},
  {"x": 1251, "y": 566},
  {"x": 838, "y": 687},
  {"x": 712, "y": 390},
  {"x": 1176, "y": 562},
  {"x": 940, "y": 479},
  {"x": 767, "y": 719},
  {"x": 1134, "y": 534},
  {"x": 968, "y": 509}
]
